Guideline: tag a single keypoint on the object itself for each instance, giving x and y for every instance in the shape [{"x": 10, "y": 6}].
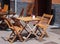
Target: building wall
[
  {"x": 55, "y": 5},
  {"x": 27, "y": 1},
  {"x": 56, "y": 1},
  {"x": 53, "y": 1}
]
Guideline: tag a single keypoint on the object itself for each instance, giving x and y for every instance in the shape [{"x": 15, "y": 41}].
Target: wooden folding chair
[
  {"x": 16, "y": 30},
  {"x": 44, "y": 23}
]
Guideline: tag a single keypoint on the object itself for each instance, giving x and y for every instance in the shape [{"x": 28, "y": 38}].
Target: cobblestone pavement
[{"x": 54, "y": 38}]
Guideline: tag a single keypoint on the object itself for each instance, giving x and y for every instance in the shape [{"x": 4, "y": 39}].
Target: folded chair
[
  {"x": 24, "y": 24},
  {"x": 16, "y": 30},
  {"x": 44, "y": 23}
]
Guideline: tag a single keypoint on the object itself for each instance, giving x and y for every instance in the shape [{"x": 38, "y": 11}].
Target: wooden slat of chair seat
[
  {"x": 15, "y": 30},
  {"x": 44, "y": 23}
]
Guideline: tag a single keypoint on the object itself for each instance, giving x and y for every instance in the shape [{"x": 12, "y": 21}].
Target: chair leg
[
  {"x": 42, "y": 34},
  {"x": 46, "y": 34},
  {"x": 28, "y": 36},
  {"x": 26, "y": 31},
  {"x": 20, "y": 37},
  {"x": 41, "y": 37},
  {"x": 13, "y": 39},
  {"x": 8, "y": 38},
  {"x": 10, "y": 35},
  {"x": 36, "y": 29},
  {"x": 36, "y": 35}
]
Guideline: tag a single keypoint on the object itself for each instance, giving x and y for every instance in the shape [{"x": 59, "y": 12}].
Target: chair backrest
[
  {"x": 46, "y": 19},
  {"x": 16, "y": 22},
  {"x": 21, "y": 13},
  {"x": 29, "y": 9},
  {"x": 5, "y": 9}
]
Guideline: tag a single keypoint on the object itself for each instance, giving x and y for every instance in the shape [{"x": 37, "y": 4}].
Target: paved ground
[{"x": 54, "y": 38}]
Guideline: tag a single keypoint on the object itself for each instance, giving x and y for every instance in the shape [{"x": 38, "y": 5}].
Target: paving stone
[
  {"x": 50, "y": 42},
  {"x": 59, "y": 38},
  {"x": 56, "y": 31}
]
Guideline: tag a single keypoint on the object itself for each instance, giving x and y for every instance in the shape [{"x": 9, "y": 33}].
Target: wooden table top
[{"x": 29, "y": 18}]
